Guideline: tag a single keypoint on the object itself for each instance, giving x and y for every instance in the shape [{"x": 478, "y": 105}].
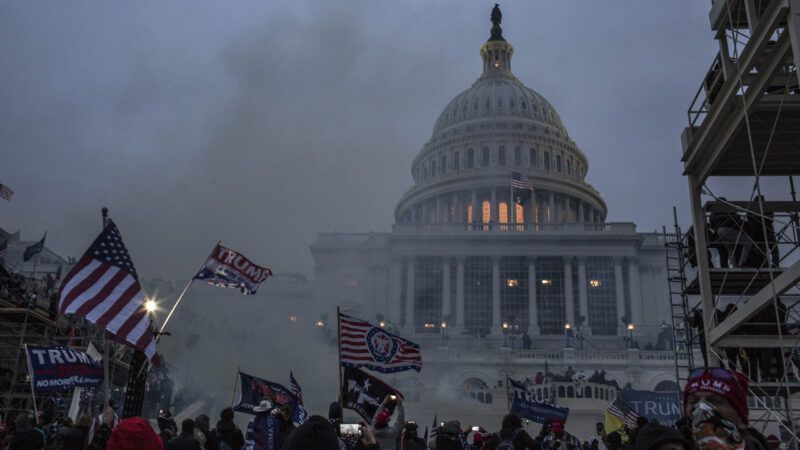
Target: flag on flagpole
[
  {"x": 520, "y": 182},
  {"x": 104, "y": 288},
  {"x": 621, "y": 411},
  {"x": 5, "y": 192},
  {"x": 294, "y": 386},
  {"x": 364, "y": 393},
  {"x": 228, "y": 268},
  {"x": 33, "y": 250},
  {"x": 362, "y": 344}
]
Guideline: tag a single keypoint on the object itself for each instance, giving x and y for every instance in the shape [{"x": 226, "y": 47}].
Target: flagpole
[
  {"x": 508, "y": 398},
  {"x": 235, "y": 383},
  {"x": 180, "y": 297},
  {"x": 106, "y": 381},
  {"x": 30, "y": 376},
  {"x": 339, "y": 368}
]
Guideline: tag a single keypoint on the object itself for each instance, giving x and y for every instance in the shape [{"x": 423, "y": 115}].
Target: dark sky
[{"x": 263, "y": 123}]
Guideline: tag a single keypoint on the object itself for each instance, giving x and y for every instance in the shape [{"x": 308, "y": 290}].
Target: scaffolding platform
[{"x": 738, "y": 282}]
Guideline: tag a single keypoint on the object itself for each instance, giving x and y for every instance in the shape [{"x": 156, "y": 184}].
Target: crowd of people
[{"x": 715, "y": 401}]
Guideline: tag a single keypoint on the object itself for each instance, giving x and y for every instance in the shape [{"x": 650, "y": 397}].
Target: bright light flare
[{"x": 151, "y": 306}]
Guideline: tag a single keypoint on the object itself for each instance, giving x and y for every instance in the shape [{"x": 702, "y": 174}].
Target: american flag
[
  {"x": 294, "y": 386},
  {"x": 5, "y": 192},
  {"x": 103, "y": 288},
  {"x": 520, "y": 182},
  {"x": 362, "y": 344},
  {"x": 623, "y": 412}
]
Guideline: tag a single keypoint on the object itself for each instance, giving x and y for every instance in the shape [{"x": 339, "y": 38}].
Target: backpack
[{"x": 508, "y": 444}]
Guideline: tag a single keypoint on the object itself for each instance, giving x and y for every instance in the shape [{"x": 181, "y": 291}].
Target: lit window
[
  {"x": 503, "y": 212},
  {"x": 594, "y": 283},
  {"x": 519, "y": 213},
  {"x": 469, "y": 214},
  {"x": 546, "y": 282},
  {"x": 487, "y": 211},
  {"x": 512, "y": 282}
]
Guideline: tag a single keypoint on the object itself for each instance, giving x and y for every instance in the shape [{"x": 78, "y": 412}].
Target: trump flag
[{"x": 228, "y": 268}]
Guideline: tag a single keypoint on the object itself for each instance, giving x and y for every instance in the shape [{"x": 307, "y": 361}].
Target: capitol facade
[{"x": 495, "y": 282}]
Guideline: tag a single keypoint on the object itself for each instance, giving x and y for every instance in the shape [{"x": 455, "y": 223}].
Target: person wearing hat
[
  {"x": 409, "y": 438},
  {"x": 387, "y": 423},
  {"x": 450, "y": 437},
  {"x": 262, "y": 431},
  {"x": 654, "y": 436},
  {"x": 722, "y": 392},
  {"x": 513, "y": 434},
  {"x": 167, "y": 428},
  {"x": 559, "y": 438},
  {"x": 227, "y": 435},
  {"x": 134, "y": 434}
]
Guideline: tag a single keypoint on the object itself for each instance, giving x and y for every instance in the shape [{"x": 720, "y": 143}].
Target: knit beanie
[
  {"x": 134, "y": 434},
  {"x": 732, "y": 388},
  {"x": 317, "y": 433},
  {"x": 652, "y": 435}
]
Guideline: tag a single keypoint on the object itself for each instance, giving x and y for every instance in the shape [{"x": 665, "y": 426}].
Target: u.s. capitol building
[{"x": 469, "y": 267}]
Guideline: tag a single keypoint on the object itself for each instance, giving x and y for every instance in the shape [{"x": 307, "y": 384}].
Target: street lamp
[
  {"x": 630, "y": 328},
  {"x": 567, "y": 330},
  {"x": 506, "y": 327},
  {"x": 444, "y": 333}
]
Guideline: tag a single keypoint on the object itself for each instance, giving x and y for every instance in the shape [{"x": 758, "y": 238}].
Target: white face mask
[{"x": 711, "y": 430}]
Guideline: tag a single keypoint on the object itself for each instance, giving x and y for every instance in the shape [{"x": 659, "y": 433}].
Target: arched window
[
  {"x": 562, "y": 393},
  {"x": 666, "y": 386},
  {"x": 503, "y": 207},
  {"x": 456, "y": 161},
  {"x": 433, "y": 167},
  {"x": 501, "y": 156},
  {"x": 533, "y": 158},
  {"x": 519, "y": 213},
  {"x": 470, "y": 158},
  {"x": 444, "y": 164},
  {"x": 558, "y": 163},
  {"x": 570, "y": 392},
  {"x": 587, "y": 392},
  {"x": 477, "y": 390},
  {"x": 517, "y": 156},
  {"x": 485, "y": 156},
  {"x": 486, "y": 209},
  {"x": 546, "y": 160}
]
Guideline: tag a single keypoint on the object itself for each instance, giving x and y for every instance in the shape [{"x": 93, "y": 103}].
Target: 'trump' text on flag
[
  {"x": 526, "y": 405},
  {"x": 228, "y": 268},
  {"x": 56, "y": 368}
]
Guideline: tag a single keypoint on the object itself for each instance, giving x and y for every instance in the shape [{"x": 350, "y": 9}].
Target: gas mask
[{"x": 713, "y": 431}]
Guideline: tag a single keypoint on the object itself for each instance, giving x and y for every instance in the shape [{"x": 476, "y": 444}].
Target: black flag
[
  {"x": 363, "y": 393},
  {"x": 34, "y": 249}
]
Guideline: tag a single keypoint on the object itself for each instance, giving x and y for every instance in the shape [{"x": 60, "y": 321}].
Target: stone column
[
  {"x": 459, "y": 295},
  {"x": 619, "y": 289},
  {"x": 551, "y": 206},
  {"x": 446, "y": 289},
  {"x": 583, "y": 298},
  {"x": 635, "y": 289},
  {"x": 410, "y": 295},
  {"x": 567, "y": 211},
  {"x": 438, "y": 210},
  {"x": 532, "y": 209},
  {"x": 533, "y": 307},
  {"x": 395, "y": 277},
  {"x": 569, "y": 300},
  {"x": 591, "y": 214},
  {"x": 496, "y": 320},
  {"x": 493, "y": 208},
  {"x": 455, "y": 210},
  {"x": 475, "y": 216}
]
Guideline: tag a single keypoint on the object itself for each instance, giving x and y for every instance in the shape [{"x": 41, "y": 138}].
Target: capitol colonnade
[{"x": 540, "y": 294}]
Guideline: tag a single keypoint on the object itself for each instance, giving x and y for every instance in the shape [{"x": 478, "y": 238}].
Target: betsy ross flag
[
  {"x": 622, "y": 412},
  {"x": 5, "y": 192},
  {"x": 520, "y": 182},
  {"x": 362, "y": 344},
  {"x": 104, "y": 289},
  {"x": 228, "y": 268}
]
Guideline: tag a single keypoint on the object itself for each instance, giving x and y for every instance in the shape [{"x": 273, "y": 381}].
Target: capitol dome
[{"x": 496, "y": 130}]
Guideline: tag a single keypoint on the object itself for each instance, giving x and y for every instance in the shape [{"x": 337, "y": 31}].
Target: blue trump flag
[
  {"x": 55, "y": 368},
  {"x": 254, "y": 389},
  {"x": 525, "y": 404},
  {"x": 662, "y": 406}
]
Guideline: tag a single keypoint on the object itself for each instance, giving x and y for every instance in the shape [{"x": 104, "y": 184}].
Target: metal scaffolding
[{"x": 744, "y": 122}]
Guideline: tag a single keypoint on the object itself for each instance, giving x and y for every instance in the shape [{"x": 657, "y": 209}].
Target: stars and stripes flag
[
  {"x": 294, "y": 386},
  {"x": 104, "y": 289},
  {"x": 5, "y": 192},
  {"x": 362, "y": 344},
  {"x": 520, "y": 182},
  {"x": 623, "y": 412}
]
